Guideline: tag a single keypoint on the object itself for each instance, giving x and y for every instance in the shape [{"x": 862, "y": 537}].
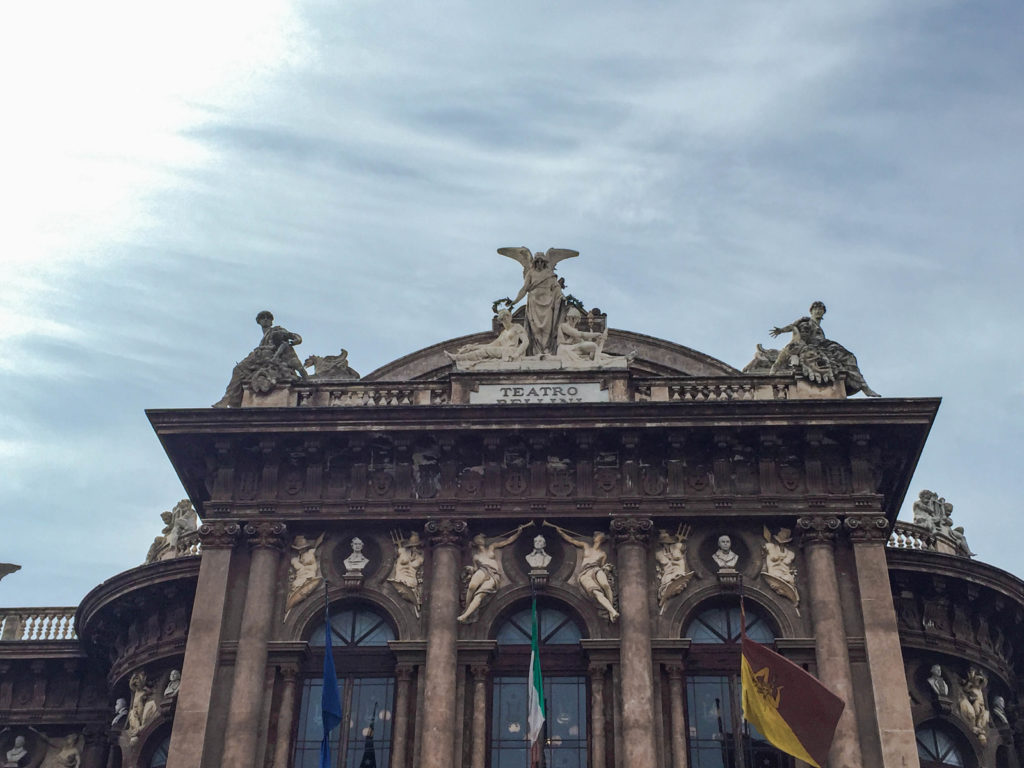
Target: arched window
[
  {"x": 565, "y": 689},
  {"x": 938, "y": 748},
  {"x": 159, "y": 757},
  {"x": 365, "y": 668},
  {"x": 718, "y": 734}
]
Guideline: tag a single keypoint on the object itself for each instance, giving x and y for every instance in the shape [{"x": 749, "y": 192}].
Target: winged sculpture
[{"x": 545, "y": 304}]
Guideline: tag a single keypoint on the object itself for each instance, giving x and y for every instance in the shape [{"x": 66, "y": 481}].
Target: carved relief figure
[
  {"x": 926, "y": 513},
  {"x": 120, "y": 713},
  {"x": 539, "y": 559},
  {"x": 778, "y": 569},
  {"x": 724, "y": 557},
  {"x": 576, "y": 348},
  {"x": 357, "y": 561},
  {"x": 273, "y": 360},
  {"x": 594, "y": 571},
  {"x": 62, "y": 753},
  {"x": 819, "y": 359},
  {"x": 330, "y": 366},
  {"x": 972, "y": 703},
  {"x": 17, "y": 753},
  {"x": 509, "y": 346},
  {"x": 543, "y": 291},
  {"x": 484, "y": 575},
  {"x": 937, "y": 682},
  {"x": 178, "y": 523},
  {"x": 143, "y": 708},
  {"x": 999, "y": 710},
  {"x": 173, "y": 684},
  {"x": 305, "y": 570},
  {"x": 670, "y": 565},
  {"x": 407, "y": 573}
]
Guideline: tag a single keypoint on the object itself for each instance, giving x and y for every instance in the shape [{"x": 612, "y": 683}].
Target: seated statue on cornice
[
  {"x": 508, "y": 347},
  {"x": 273, "y": 361},
  {"x": 814, "y": 356}
]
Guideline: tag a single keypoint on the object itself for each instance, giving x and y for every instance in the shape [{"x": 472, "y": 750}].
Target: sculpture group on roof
[
  {"x": 812, "y": 355},
  {"x": 550, "y": 331}
]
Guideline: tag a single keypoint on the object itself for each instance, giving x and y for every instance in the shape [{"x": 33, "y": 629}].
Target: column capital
[
  {"x": 631, "y": 530},
  {"x": 819, "y": 530},
  {"x": 675, "y": 671},
  {"x": 479, "y": 672},
  {"x": 597, "y": 670},
  {"x": 266, "y": 535},
  {"x": 289, "y": 672},
  {"x": 219, "y": 535},
  {"x": 867, "y": 528},
  {"x": 446, "y": 533},
  {"x": 404, "y": 672}
]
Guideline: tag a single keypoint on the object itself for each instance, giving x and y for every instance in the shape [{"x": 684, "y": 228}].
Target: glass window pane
[
  {"x": 556, "y": 628},
  {"x": 565, "y": 729},
  {"x": 307, "y": 743},
  {"x": 355, "y": 626},
  {"x": 722, "y": 625},
  {"x": 371, "y": 703},
  {"x": 938, "y": 747},
  {"x": 159, "y": 758}
]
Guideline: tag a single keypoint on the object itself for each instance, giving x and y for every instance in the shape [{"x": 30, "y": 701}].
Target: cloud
[{"x": 353, "y": 167}]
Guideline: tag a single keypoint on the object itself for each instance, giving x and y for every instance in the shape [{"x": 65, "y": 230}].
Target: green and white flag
[{"x": 536, "y": 693}]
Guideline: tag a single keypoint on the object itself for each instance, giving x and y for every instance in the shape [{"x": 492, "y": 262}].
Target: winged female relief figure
[{"x": 545, "y": 305}]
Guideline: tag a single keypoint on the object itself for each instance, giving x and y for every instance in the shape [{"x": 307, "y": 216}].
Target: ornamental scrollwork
[
  {"x": 819, "y": 530},
  {"x": 865, "y": 528},
  {"x": 446, "y": 533},
  {"x": 266, "y": 535},
  {"x": 631, "y": 530},
  {"x": 219, "y": 535}
]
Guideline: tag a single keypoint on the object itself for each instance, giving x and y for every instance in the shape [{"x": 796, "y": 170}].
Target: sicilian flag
[
  {"x": 795, "y": 712},
  {"x": 536, "y": 693},
  {"x": 330, "y": 699}
]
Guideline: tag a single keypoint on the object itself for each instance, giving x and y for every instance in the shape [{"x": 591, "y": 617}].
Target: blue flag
[{"x": 330, "y": 700}]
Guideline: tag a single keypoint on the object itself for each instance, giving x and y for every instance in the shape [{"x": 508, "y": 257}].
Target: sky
[{"x": 171, "y": 169}]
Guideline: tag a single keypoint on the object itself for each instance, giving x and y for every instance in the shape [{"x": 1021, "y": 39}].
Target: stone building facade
[{"x": 409, "y": 502}]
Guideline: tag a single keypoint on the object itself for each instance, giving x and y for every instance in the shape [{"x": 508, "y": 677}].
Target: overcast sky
[{"x": 170, "y": 169}]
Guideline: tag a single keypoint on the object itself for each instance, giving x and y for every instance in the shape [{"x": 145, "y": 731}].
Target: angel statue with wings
[{"x": 545, "y": 305}]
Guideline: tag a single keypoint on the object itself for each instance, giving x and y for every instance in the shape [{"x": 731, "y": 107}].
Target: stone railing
[
  {"x": 909, "y": 536},
  {"x": 37, "y": 624},
  {"x": 359, "y": 394}
]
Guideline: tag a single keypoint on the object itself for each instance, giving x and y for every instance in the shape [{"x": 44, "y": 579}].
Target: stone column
[
  {"x": 400, "y": 718},
  {"x": 478, "y": 756},
  {"x": 241, "y": 734},
  {"x": 639, "y": 747},
  {"x": 440, "y": 673},
  {"x": 97, "y": 748},
  {"x": 286, "y": 716},
  {"x": 677, "y": 722},
  {"x": 202, "y": 649},
  {"x": 869, "y": 534},
  {"x": 830, "y": 646},
  {"x": 597, "y": 671}
]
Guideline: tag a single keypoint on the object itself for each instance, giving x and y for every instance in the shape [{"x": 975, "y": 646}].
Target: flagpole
[{"x": 330, "y": 696}]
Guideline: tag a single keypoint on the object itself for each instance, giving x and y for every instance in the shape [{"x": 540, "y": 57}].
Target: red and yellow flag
[{"x": 794, "y": 711}]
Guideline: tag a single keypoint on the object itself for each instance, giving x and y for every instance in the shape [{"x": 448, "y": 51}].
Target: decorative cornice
[
  {"x": 446, "y": 533},
  {"x": 266, "y": 535},
  {"x": 632, "y": 530},
  {"x": 219, "y": 535},
  {"x": 818, "y": 530},
  {"x": 867, "y": 528}
]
